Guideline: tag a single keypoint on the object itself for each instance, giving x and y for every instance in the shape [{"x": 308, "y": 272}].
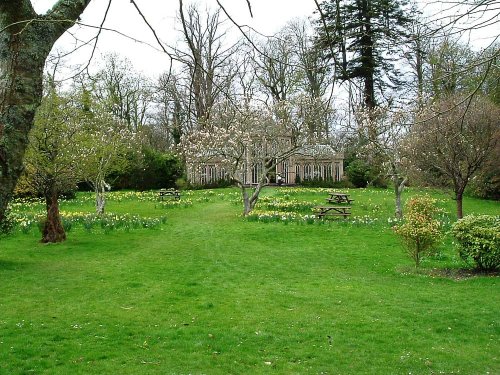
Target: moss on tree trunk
[{"x": 25, "y": 42}]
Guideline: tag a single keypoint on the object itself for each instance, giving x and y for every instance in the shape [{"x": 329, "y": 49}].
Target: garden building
[{"x": 316, "y": 162}]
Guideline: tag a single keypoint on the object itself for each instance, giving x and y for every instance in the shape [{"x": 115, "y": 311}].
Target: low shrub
[
  {"x": 479, "y": 240},
  {"x": 420, "y": 231}
]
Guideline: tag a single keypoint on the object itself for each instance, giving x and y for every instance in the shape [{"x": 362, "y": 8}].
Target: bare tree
[
  {"x": 171, "y": 120},
  {"x": 418, "y": 41},
  {"x": 316, "y": 77},
  {"x": 449, "y": 68},
  {"x": 206, "y": 61},
  {"x": 276, "y": 67},
  {"x": 452, "y": 140},
  {"x": 452, "y": 30},
  {"x": 123, "y": 91},
  {"x": 311, "y": 61}
]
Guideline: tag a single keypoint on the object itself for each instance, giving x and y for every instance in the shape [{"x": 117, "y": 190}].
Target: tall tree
[
  {"x": 171, "y": 120},
  {"x": 26, "y": 39},
  {"x": 276, "y": 67},
  {"x": 315, "y": 76},
  {"x": 363, "y": 37},
  {"x": 123, "y": 91},
  {"x": 207, "y": 60},
  {"x": 419, "y": 40},
  {"x": 453, "y": 139}
]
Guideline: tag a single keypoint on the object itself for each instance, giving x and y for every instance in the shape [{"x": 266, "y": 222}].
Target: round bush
[{"x": 479, "y": 239}]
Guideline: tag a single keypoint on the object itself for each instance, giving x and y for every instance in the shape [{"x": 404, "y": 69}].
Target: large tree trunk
[
  {"x": 53, "y": 230},
  {"x": 25, "y": 42}
]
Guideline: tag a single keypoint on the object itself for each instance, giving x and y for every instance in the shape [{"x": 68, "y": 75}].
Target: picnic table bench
[
  {"x": 339, "y": 198},
  {"x": 322, "y": 211},
  {"x": 169, "y": 193}
]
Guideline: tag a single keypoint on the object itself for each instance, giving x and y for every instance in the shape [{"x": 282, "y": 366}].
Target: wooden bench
[
  {"x": 335, "y": 200},
  {"x": 339, "y": 198},
  {"x": 169, "y": 193},
  {"x": 322, "y": 211}
]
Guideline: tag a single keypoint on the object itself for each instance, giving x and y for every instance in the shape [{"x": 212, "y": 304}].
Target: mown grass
[{"x": 212, "y": 293}]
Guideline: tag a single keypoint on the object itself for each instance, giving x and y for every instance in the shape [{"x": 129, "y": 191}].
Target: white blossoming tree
[
  {"x": 254, "y": 139},
  {"x": 108, "y": 145}
]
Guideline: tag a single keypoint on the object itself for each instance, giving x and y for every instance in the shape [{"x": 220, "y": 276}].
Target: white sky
[{"x": 268, "y": 17}]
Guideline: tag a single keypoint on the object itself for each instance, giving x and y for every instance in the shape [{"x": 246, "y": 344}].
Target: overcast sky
[{"x": 268, "y": 17}]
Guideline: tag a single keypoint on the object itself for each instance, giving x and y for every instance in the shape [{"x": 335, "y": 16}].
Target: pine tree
[{"x": 364, "y": 37}]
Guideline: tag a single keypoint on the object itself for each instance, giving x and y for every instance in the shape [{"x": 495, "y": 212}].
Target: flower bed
[{"x": 89, "y": 221}]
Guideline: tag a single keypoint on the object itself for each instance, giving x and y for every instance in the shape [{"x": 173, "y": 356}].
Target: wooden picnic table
[
  {"x": 322, "y": 211},
  {"x": 339, "y": 198},
  {"x": 169, "y": 193}
]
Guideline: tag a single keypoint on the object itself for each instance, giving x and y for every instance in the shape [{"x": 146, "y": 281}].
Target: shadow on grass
[
  {"x": 448, "y": 273},
  {"x": 8, "y": 265}
]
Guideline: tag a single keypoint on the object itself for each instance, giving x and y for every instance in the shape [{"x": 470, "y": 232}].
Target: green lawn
[{"x": 212, "y": 293}]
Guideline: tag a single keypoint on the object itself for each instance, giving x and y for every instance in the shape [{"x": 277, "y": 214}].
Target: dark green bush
[
  {"x": 479, "y": 240},
  {"x": 358, "y": 173},
  {"x": 156, "y": 170}
]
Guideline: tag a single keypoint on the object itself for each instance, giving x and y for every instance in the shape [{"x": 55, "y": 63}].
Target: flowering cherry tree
[{"x": 254, "y": 141}]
